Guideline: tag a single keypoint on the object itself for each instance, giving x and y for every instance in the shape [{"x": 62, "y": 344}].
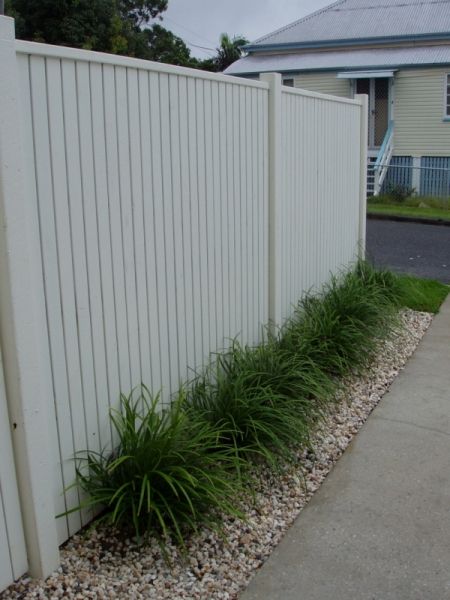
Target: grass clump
[
  {"x": 422, "y": 211},
  {"x": 176, "y": 468},
  {"x": 167, "y": 473},
  {"x": 405, "y": 291},
  {"x": 264, "y": 398},
  {"x": 406, "y": 196},
  {"x": 270, "y": 397},
  {"x": 421, "y": 294},
  {"x": 340, "y": 329}
]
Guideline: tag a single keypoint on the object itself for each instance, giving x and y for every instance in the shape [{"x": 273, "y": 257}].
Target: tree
[
  {"x": 164, "y": 46},
  {"x": 141, "y": 12},
  {"x": 229, "y": 51},
  {"x": 115, "y": 26},
  {"x": 86, "y": 24}
]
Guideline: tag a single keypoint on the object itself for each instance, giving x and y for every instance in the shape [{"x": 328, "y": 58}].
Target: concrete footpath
[{"x": 379, "y": 527}]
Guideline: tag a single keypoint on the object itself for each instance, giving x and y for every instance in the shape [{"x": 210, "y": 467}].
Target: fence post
[
  {"x": 18, "y": 328},
  {"x": 363, "y": 98},
  {"x": 416, "y": 174},
  {"x": 275, "y": 195}
]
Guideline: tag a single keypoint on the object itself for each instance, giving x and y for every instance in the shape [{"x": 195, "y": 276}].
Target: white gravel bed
[{"x": 99, "y": 565}]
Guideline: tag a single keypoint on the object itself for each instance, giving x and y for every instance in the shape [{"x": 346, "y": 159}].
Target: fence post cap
[
  {"x": 7, "y": 28},
  {"x": 271, "y": 77}
]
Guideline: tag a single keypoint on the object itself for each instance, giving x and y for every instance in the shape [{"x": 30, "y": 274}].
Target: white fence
[
  {"x": 151, "y": 244},
  {"x": 150, "y": 213},
  {"x": 318, "y": 221}
]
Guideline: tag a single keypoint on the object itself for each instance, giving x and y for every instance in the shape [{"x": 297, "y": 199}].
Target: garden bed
[{"x": 102, "y": 564}]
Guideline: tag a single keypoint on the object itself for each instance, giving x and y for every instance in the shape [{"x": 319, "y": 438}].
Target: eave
[{"x": 355, "y": 42}]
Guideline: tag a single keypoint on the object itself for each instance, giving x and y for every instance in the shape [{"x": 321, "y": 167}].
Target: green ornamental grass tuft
[
  {"x": 178, "y": 467},
  {"x": 420, "y": 294},
  {"x": 340, "y": 330},
  {"x": 167, "y": 473},
  {"x": 404, "y": 291},
  {"x": 264, "y": 398}
]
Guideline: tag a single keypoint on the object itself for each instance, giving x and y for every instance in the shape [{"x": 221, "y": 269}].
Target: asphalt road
[{"x": 422, "y": 250}]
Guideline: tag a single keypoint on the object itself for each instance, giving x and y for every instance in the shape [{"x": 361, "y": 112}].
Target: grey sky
[{"x": 201, "y": 22}]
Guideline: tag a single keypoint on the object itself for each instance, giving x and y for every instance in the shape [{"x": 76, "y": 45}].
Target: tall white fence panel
[
  {"x": 148, "y": 214},
  {"x": 149, "y": 191},
  {"x": 320, "y": 190}
]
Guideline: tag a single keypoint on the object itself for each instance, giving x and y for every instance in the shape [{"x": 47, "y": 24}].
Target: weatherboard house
[{"x": 397, "y": 52}]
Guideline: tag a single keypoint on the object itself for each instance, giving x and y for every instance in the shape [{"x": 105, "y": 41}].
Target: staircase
[
  {"x": 371, "y": 160},
  {"x": 378, "y": 163}
]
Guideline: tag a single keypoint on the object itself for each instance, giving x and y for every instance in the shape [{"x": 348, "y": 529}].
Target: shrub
[
  {"x": 398, "y": 193},
  {"x": 167, "y": 473},
  {"x": 404, "y": 290},
  {"x": 264, "y": 398},
  {"x": 176, "y": 468},
  {"x": 385, "y": 281},
  {"x": 269, "y": 397},
  {"x": 420, "y": 294},
  {"x": 340, "y": 329}
]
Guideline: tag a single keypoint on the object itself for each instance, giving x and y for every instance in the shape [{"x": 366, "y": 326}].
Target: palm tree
[{"x": 230, "y": 50}]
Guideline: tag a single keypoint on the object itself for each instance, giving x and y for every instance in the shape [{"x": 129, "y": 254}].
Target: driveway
[{"x": 422, "y": 250}]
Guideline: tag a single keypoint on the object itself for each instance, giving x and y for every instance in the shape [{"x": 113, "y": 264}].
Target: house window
[
  {"x": 447, "y": 97},
  {"x": 289, "y": 82}
]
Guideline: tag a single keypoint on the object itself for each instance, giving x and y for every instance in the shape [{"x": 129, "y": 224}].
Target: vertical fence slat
[
  {"x": 139, "y": 225},
  {"x": 87, "y": 244},
  {"x": 38, "y": 283},
  {"x": 179, "y": 333},
  {"x": 115, "y": 224},
  {"x": 190, "y": 333},
  {"x": 194, "y": 223},
  {"x": 148, "y": 218}
]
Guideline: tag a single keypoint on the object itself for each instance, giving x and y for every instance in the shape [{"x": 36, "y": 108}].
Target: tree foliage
[
  {"x": 229, "y": 51},
  {"x": 90, "y": 24},
  {"x": 117, "y": 26},
  {"x": 128, "y": 27},
  {"x": 164, "y": 46}
]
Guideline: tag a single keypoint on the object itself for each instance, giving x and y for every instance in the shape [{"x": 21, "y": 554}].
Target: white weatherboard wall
[{"x": 150, "y": 213}]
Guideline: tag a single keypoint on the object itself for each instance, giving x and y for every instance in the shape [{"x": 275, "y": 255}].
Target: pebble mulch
[{"x": 100, "y": 565}]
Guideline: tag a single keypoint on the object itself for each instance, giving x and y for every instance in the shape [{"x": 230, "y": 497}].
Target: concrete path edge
[{"x": 379, "y": 526}]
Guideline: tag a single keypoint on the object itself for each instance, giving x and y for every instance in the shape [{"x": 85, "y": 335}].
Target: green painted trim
[{"x": 348, "y": 42}]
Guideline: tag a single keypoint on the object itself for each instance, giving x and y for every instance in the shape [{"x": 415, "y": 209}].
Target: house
[{"x": 397, "y": 52}]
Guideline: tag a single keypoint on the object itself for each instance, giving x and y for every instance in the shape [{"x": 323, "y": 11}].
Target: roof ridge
[{"x": 302, "y": 20}]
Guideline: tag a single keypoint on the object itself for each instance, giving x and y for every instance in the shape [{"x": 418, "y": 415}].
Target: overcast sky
[{"x": 200, "y": 22}]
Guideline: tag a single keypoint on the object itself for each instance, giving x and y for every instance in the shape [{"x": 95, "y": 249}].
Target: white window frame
[{"x": 447, "y": 97}]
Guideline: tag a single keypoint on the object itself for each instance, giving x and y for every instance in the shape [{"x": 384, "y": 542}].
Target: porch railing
[{"x": 383, "y": 159}]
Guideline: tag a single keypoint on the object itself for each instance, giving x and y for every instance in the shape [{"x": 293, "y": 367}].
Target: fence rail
[{"x": 149, "y": 214}]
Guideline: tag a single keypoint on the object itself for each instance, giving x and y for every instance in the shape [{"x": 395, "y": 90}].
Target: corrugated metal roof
[
  {"x": 353, "y": 19},
  {"x": 375, "y": 58}
]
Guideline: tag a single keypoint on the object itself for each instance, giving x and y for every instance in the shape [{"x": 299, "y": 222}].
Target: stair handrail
[{"x": 383, "y": 158}]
